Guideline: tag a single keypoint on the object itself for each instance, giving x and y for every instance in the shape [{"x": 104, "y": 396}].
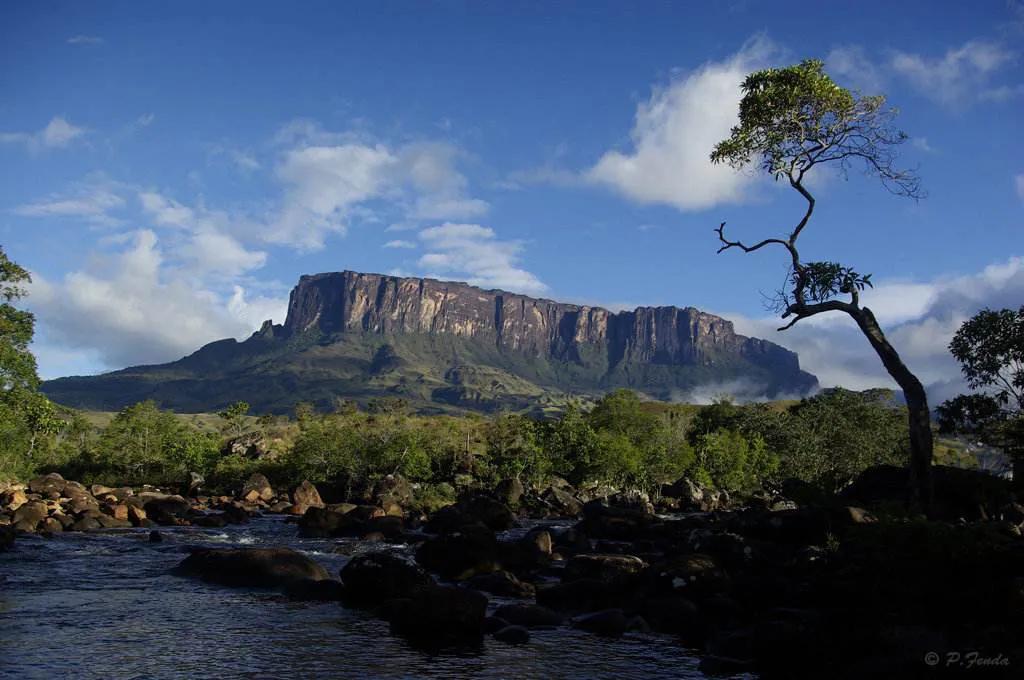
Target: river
[{"x": 104, "y": 605}]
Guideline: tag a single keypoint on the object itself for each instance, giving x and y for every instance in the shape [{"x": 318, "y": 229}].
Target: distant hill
[{"x": 446, "y": 346}]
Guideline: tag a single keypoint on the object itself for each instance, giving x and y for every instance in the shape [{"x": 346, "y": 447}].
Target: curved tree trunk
[{"x": 918, "y": 414}]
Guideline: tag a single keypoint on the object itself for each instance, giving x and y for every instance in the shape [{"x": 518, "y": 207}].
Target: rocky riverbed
[{"x": 507, "y": 583}]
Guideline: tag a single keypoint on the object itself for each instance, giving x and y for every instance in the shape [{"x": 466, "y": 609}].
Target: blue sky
[{"x": 168, "y": 172}]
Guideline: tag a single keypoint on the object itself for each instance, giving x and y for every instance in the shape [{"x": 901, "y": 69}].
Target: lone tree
[
  {"x": 990, "y": 349},
  {"x": 792, "y": 120}
]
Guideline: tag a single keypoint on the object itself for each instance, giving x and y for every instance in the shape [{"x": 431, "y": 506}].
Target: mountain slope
[{"x": 447, "y": 346}]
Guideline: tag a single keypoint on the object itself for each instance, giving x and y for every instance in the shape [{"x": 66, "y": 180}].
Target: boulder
[
  {"x": 193, "y": 482},
  {"x": 509, "y": 491},
  {"x": 562, "y": 502},
  {"x": 374, "y": 577},
  {"x": 162, "y": 504},
  {"x": 249, "y": 445},
  {"x": 528, "y": 615},
  {"x": 440, "y": 613},
  {"x": 6, "y": 538},
  {"x": 502, "y": 583},
  {"x": 315, "y": 590},
  {"x": 393, "y": 493},
  {"x": 251, "y": 567},
  {"x": 50, "y": 525},
  {"x": 460, "y": 555},
  {"x": 257, "y": 488},
  {"x": 13, "y": 499},
  {"x": 31, "y": 513},
  {"x": 494, "y": 514},
  {"x": 583, "y": 595},
  {"x": 86, "y": 523},
  {"x": 48, "y": 486},
  {"x": 304, "y": 497},
  {"x": 609, "y": 622},
  {"x": 603, "y": 567},
  {"x": 513, "y": 635}
]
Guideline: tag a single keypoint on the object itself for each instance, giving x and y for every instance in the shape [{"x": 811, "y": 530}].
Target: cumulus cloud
[
  {"x": 674, "y": 132},
  {"x": 398, "y": 243},
  {"x": 957, "y": 77},
  {"x": 132, "y": 307},
  {"x": 57, "y": 134},
  {"x": 919, "y": 318},
  {"x": 473, "y": 252}
]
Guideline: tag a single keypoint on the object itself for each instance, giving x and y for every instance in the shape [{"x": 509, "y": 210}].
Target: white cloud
[
  {"x": 166, "y": 211},
  {"x": 132, "y": 307},
  {"x": 86, "y": 40},
  {"x": 216, "y": 253},
  {"x": 957, "y": 77},
  {"x": 674, "y": 133},
  {"x": 473, "y": 251},
  {"x": 851, "y": 66},
  {"x": 921, "y": 143},
  {"x": 92, "y": 200},
  {"x": 58, "y": 133},
  {"x": 919, "y": 318},
  {"x": 398, "y": 243}
]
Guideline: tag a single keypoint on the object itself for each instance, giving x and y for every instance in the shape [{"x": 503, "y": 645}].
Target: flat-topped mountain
[{"x": 445, "y": 345}]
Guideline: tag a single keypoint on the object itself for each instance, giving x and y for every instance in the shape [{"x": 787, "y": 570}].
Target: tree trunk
[{"x": 918, "y": 414}]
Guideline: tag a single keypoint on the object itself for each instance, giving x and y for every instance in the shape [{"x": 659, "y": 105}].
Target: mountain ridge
[{"x": 447, "y": 345}]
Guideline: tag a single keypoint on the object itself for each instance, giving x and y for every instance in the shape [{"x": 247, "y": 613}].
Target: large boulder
[
  {"x": 249, "y": 445},
  {"x": 30, "y": 515},
  {"x": 251, "y": 567},
  {"x": 562, "y": 502},
  {"x": 440, "y": 613},
  {"x": 509, "y": 491},
  {"x": 13, "y": 499},
  {"x": 372, "y": 578},
  {"x": 256, "y": 489},
  {"x": 393, "y": 493},
  {"x": 491, "y": 512},
  {"x": 6, "y": 538},
  {"x": 503, "y": 584},
  {"x": 528, "y": 615},
  {"x": 304, "y": 497},
  {"x": 462, "y": 554},
  {"x": 49, "y": 486},
  {"x": 156, "y": 503}
]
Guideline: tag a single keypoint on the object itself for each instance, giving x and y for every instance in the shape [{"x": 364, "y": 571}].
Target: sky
[{"x": 167, "y": 172}]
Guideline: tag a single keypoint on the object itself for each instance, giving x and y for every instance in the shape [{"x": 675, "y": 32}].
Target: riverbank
[{"x": 775, "y": 587}]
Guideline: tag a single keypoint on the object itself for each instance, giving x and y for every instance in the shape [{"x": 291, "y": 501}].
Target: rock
[
  {"x": 162, "y": 505},
  {"x": 509, "y": 491},
  {"x": 48, "y": 486},
  {"x": 327, "y": 521},
  {"x": 374, "y": 577},
  {"x": 502, "y": 583},
  {"x": 117, "y": 511},
  {"x": 108, "y": 522},
  {"x": 50, "y": 525},
  {"x": 281, "y": 507},
  {"x": 304, "y": 497},
  {"x": 610, "y": 622},
  {"x": 193, "y": 482},
  {"x": 689, "y": 575},
  {"x": 211, "y": 521},
  {"x": 315, "y": 590},
  {"x": 460, "y": 555},
  {"x": 603, "y": 567},
  {"x": 563, "y": 502},
  {"x": 256, "y": 488},
  {"x": 448, "y": 519},
  {"x": 634, "y": 499},
  {"x": 155, "y": 537},
  {"x": 672, "y": 614},
  {"x": 249, "y": 445},
  {"x": 492, "y": 624},
  {"x": 493, "y": 513},
  {"x": 30, "y": 513},
  {"x": 387, "y": 527},
  {"x": 85, "y": 524},
  {"x": 137, "y": 516},
  {"x": 13, "y": 499},
  {"x": 528, "y": 615},
  {"x": 583, "y": 595},
  {"x": 393, "y": 494},
  {"x": 513, "y": 635},
  {"x": 251, "y": 567},
  {"x": 6, "y": 538},
  {"x": 441, "y": 613}
]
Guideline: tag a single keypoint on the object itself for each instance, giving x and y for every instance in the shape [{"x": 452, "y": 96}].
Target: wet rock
[
  {"x": 470, "y": 551},
  {"x": 162, "y": 506},
  {"x": 211, "y": 521},
  {"x": 441, "y": 613},
  {"x": 513, "y": 635},
  {"x": 251, "y": 567},
  {"x": 672, "y": 614},
  {"x": 494, "y": 514},
  {"x": 6, "y": 538},
  {"x": 502, "y": 583},
  {"x": 50, "y": 525},
  {"x": 528, "y": 615},
  {"x": 315, "y": 590},
  {"x": 257, "y": 488},
  {"x": 108, "y": 522},
  {"x": 155, "y": 537},
  {"x": 326, "y": 521},
  {"x": 690, "y": 575},
  {"x": 374, "y": 577},
  {"x": 583, "y": 595},
  {"x": 85, "y": 524},
  {"x": 609, "y": 622},
  {"x": 304, "y": 497},
  {"x": 603, "y": 567},
  {"x": 387, "y": 527}
]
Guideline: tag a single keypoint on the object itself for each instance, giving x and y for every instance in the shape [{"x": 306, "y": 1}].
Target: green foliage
[
  {"x": 727, "y": 460},
  {"x": 824, "y": 280},
  {"x": 234, "y": 418},
  {"x": 990, "y": 349}
]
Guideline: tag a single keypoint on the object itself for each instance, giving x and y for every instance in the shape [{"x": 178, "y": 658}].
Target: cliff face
[
  {"x": 448, "y": 346},
  {"x": 372, "y": 303}
]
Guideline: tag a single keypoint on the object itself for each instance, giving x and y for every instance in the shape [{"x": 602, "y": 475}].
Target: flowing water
[{"x": 104, "y": 605}]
